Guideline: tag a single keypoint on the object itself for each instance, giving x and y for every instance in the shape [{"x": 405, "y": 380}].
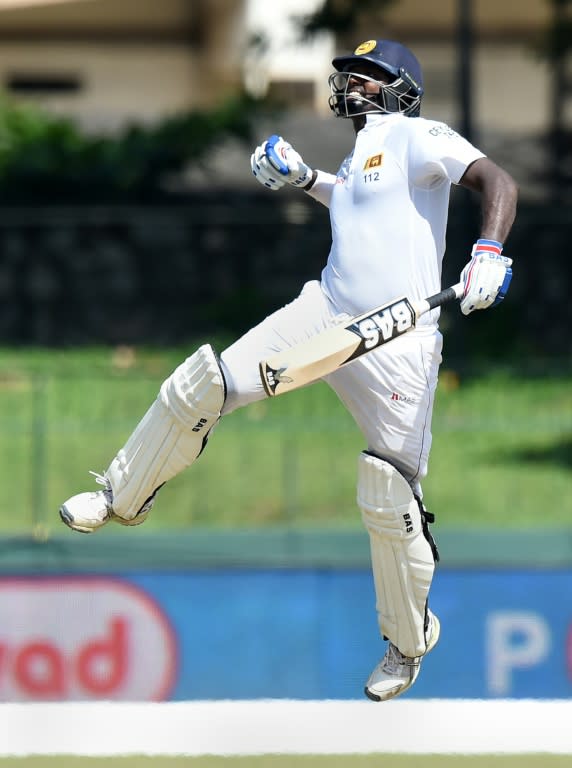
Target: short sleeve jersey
[{"x": 389, "y": 209}]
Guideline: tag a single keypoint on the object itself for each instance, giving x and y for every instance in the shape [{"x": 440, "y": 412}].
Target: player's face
[{"x": 367, "y": 87}]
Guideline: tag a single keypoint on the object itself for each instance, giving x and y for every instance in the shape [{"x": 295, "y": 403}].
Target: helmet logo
[{"x": 366, "y": 47}]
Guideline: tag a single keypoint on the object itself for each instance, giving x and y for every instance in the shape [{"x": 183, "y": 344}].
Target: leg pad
[
  {"x": 171, "y": 435},
  {"x": 401, "y": 556}
]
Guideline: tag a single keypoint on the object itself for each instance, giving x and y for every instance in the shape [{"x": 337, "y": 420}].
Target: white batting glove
[
  {"x": 276, "y": 162},
  {"x": 486, "y": 278}
]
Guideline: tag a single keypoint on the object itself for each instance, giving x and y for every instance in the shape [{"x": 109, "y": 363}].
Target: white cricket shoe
[
  {"x": 86, "y": 512},
  {"x": 395, "y": 673}
]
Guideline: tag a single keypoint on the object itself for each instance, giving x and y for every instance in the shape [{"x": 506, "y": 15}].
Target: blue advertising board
[
  {"x": 304, "y": 633},
  {"x": 312, "y": 633}
]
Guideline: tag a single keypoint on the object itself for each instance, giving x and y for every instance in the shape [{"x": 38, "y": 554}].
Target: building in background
[{"x": 108, "y": 61}]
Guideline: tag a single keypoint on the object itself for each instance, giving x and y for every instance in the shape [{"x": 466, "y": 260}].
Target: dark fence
[{"x": 219, "y": 262}]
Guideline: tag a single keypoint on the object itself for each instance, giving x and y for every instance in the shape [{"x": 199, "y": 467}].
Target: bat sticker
[{"x": 379, "y": 327}]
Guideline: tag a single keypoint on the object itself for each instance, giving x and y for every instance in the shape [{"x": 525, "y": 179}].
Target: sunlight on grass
[{"x": 502, "y": 447}]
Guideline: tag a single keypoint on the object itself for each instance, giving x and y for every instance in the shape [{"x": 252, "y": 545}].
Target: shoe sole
[
  {"x": 374, "y": 697},
  {"x": 67, "y": 518},
  {"x": 430, "y": 645}
]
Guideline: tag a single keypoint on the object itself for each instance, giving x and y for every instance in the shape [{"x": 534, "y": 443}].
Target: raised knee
[{"x": 195, "y": 392}]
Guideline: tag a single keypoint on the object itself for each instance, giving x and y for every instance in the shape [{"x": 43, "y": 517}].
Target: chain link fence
[{"x": 220, "y": 261}]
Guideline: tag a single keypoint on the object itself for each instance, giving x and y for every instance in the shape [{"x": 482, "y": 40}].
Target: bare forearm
[
  {"x": 499, "y": 194},
  {"x": 498, "y": 207}
]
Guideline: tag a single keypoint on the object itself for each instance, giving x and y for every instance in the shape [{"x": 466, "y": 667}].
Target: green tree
[
  {"x": 48, "y": 158},
  {"x": 342, "y": 17}
]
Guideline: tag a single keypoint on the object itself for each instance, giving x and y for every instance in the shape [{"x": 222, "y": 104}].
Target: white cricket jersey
[{"x": 388, "y": 209}]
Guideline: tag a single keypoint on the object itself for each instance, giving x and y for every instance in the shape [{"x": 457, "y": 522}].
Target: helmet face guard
[{"x": 402, "y": 96}]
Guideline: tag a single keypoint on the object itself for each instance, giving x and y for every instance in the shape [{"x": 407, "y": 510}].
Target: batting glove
[
  {"x": 486, "y": 278},
  {"x": 276, "y": 162}
]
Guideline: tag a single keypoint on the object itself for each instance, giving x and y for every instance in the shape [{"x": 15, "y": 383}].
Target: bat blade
[
  {"x": 327, "y": 351},
  {"x": 336, "y": 346}
]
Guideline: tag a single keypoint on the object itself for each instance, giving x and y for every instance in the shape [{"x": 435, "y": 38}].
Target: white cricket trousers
[{"x": 389, "y": 392}]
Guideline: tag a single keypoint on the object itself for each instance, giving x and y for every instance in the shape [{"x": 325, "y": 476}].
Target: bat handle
[{"x": 445, "y": 296}]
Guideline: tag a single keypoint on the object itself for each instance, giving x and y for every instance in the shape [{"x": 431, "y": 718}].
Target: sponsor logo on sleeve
[{"x": 443, "y": 130}]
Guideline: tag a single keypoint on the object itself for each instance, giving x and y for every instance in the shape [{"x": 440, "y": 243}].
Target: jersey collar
[{"x": 376, "y": 119}]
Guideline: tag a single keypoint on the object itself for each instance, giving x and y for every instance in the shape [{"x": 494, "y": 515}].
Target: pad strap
[{"x": 428, "y": 518}]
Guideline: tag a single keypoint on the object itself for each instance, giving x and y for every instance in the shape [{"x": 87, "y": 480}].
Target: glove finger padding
[
  {"x": 264, "y": 171},
  {"x": 282, "y": 155},
  {"x": 486, "y": 278}
]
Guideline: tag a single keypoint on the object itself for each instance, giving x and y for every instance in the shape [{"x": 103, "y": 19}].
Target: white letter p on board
[{"x": 514, "y": 640}]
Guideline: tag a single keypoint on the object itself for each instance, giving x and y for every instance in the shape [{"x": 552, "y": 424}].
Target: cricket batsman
[{"x": 388, "y": 205}]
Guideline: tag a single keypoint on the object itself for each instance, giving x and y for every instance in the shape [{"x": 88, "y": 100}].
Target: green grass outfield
[
  {"x": 297, "y": 761},
  {"x": 501, "y": 457}
]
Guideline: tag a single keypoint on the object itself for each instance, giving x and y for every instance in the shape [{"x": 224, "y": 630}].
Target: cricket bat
[{"x": 329, "y": 350}]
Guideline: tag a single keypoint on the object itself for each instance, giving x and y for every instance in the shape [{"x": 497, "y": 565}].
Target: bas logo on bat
[
  {"x": 333, "y": 347},
  {"x": 379, "y": 327}
]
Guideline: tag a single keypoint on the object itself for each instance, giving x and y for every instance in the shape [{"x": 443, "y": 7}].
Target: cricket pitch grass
[{"x": 297, "y": 761}]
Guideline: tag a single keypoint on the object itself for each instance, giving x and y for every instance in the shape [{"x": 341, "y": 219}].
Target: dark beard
[{"x": 355, "y": 105}]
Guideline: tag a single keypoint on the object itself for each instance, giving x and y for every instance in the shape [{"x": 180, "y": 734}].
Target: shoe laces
[
  {"x": 394, "y": 660},
  {"x": 102, "y": 480}
]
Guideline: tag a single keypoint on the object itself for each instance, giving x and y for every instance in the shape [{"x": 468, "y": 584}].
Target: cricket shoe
[
  {"x": 87, "y": 512},
  {"x": 396, "y": 673}
]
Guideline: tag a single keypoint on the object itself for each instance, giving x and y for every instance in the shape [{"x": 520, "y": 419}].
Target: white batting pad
[
  {"x": 172, "y": 433},
  {"x": 402, "y": 560}
]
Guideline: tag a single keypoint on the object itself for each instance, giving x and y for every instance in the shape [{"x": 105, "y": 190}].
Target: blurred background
[{"x": 131, "y": 230}]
